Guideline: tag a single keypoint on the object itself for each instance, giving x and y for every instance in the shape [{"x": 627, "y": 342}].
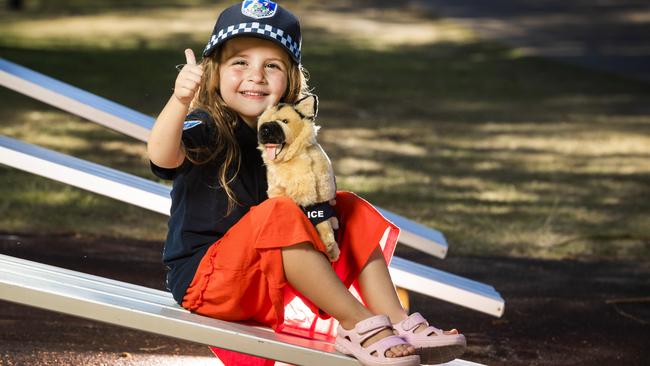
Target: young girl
[{"x": 235, "y": 255}]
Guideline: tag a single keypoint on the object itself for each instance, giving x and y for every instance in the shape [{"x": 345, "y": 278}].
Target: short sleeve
[
  {"x": 164, "y": 173},
  {"x": 197, "y": 130}
]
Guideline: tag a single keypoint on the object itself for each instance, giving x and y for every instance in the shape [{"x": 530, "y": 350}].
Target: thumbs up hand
[{"x": 188, "y": 80}]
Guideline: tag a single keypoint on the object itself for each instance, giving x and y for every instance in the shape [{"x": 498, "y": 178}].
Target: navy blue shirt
[{"x": 198, "y": 213}]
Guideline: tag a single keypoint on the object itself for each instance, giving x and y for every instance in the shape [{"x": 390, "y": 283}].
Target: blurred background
[{"x": 520, "y": 129}]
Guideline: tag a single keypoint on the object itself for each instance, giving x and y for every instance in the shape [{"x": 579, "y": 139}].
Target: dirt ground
[{"x": 557, "y": 312}]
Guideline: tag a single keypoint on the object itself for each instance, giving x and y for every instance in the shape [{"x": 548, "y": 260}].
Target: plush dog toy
[{"x": 297, "y": 166}]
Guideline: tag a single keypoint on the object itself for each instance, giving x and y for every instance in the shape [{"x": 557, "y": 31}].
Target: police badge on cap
[
  {"x": 258, "y": 9},
  {"x": 257, "y": 18}
]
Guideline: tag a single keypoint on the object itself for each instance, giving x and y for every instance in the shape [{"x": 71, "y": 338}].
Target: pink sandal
[
  {"x": 432, "y": 349},
  {"x": 350, "y": 342}
]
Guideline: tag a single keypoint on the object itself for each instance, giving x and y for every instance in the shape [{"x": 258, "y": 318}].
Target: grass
[{"x": 507, "y": 155}]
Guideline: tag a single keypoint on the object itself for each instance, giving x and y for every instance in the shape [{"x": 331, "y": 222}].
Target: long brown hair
[{"x": 225, "y": 145}]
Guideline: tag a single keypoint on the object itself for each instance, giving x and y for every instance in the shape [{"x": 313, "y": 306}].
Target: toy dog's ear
[{"x": 308, "y": 106}]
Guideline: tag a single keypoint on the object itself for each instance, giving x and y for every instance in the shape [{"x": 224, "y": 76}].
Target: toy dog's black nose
[
  {"x": 265, "y": 131},
  {"x": 270, "y": 133}
]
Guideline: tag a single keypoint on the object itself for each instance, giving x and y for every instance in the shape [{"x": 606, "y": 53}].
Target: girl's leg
[
  {"x": 379, "y": 292},
  {"x": 310, "y": 272}
]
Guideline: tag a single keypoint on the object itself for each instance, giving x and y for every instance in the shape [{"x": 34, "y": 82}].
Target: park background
[{"x": 536, "y": 170}]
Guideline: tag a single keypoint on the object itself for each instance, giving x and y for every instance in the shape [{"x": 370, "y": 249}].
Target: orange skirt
[{"x": 241, "y": 277}]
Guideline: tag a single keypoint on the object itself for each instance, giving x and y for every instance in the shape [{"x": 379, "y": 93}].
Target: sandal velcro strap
[
  {"x": 409, "y": 324},
  {"x": 376, "y": 322},
  {"x": 412, "y": 321},
  {"x": 350, "y": 342}
]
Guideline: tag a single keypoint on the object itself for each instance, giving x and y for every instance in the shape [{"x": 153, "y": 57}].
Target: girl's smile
[
  {"x": 253, "y": 94},
  {"x": 252, "y": 76}
]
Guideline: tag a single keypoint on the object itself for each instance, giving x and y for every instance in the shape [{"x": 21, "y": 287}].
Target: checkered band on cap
[{"x": 256, "y": 28}]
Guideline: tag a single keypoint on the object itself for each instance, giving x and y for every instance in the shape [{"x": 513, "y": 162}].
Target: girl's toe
[
  {"x": 408, "y": 350},
  {"x": 398, "y": 352},
  {"x": 404, "y": 351}
]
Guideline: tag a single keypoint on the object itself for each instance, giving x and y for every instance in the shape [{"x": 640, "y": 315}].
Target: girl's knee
[{"x": 300, "y": 247}]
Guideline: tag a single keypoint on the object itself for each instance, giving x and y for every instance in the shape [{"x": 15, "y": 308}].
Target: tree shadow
[{"x": 449, "y": 111}]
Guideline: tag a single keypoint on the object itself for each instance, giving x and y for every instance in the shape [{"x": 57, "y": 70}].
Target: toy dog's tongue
[{"x": 271, "y": 151}]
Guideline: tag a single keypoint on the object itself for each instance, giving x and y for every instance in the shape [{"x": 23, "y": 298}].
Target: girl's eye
[
  {"x": 239, "y": 62},
  {"x": 273, "y": 66}
]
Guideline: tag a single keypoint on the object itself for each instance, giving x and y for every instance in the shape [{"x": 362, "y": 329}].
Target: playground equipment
[{"x": 115, "y": 302}]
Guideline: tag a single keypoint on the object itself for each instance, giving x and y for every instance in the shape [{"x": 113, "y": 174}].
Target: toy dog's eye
[{"x": 284, "y": 121}]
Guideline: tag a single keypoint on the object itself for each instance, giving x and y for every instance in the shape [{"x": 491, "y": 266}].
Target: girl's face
[{"x": 252, "y": 76}]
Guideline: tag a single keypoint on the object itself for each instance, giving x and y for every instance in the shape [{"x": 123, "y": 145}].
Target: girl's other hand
[{"x": 188, "y": 80}]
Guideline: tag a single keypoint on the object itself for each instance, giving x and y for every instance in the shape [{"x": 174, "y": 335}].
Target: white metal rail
[
  {"x": 146, "y": 309},
  {"x": 115, "y": 302},
  {"x": 154, "y": 196}
]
